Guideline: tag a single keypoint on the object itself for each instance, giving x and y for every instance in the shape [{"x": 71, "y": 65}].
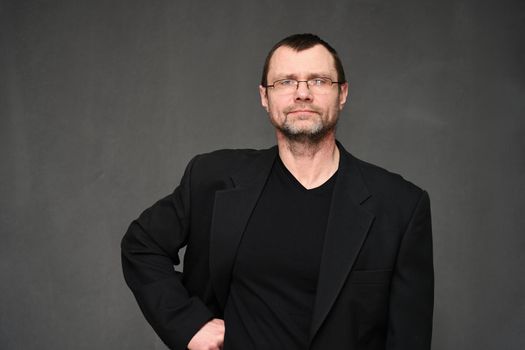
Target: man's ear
[
  {"x": 343, "y": 95},
  {"x": 263, "y": 92}
]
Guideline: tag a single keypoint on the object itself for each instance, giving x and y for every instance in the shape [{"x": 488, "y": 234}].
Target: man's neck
[{"x": 311, "y": 163}]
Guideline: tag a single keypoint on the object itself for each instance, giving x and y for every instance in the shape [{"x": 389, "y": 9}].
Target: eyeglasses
[{"x": 315, "y": 85}]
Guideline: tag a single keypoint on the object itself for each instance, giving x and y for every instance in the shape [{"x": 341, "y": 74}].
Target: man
[{"x": 301, "y": 246}]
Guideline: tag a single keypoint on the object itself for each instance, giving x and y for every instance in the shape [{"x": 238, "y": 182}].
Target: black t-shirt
[{"x": 274, "y": 278}]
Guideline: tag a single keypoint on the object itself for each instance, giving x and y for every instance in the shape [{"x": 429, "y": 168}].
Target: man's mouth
[{"x": 302, "y": 111}]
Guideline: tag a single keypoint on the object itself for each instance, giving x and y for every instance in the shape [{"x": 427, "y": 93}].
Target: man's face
[{"x": 303, "y": 114}]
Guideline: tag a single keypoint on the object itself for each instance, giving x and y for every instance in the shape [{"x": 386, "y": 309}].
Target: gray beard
[{"x": 311, "y": 137}]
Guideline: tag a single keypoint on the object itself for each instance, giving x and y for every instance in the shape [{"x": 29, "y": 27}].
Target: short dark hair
[{"x": 300, "y": 42}]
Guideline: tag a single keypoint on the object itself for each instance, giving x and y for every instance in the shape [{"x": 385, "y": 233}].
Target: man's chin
[{"x": 305, "y": 135}]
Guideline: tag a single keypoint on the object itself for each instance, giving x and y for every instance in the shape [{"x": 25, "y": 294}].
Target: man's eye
[
  {"x": 318, "y": 82},
  {"x": 287, "y": 82}
]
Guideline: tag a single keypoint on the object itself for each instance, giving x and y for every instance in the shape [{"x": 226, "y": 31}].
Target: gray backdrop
[{"x": 102, "y": 103}]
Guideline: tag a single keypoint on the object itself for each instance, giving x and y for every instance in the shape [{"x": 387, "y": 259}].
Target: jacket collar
[
  {"x": 347, "y": 228},
  {"x": 231, "y": 211}
]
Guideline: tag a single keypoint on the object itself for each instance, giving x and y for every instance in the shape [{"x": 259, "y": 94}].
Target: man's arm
[
  {"x": 412, "y": 288},
  {"x": 149, "y": 250}
]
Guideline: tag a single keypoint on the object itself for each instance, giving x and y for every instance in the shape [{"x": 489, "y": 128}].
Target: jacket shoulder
[
  {"x": 224, "y": 162},
  {"x": 389, "y": 185},
  {"x": 392, "y": 196}
]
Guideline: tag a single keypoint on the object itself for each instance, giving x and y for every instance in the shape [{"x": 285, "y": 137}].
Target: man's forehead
[{"x": 287, "y": 61}]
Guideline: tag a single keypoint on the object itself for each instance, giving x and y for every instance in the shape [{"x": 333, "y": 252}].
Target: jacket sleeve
[
  {"x": 412, "y": 287},
  {"x": 149, "y": 252}
]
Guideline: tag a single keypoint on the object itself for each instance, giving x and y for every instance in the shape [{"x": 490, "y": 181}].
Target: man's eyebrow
[
  {"x": 319, "y": 75},
  {"x": 285, "y": 76},
  {"x": 308, "y": 77}
]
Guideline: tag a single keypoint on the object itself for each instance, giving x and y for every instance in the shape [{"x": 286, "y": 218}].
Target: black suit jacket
[{"x": 375, "y": 287}]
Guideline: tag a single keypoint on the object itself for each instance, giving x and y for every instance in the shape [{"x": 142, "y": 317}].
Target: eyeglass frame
[{"x": 297, "y": 82}]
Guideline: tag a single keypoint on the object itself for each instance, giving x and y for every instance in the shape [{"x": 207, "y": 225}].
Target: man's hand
[{"x": 209, "y": 337}]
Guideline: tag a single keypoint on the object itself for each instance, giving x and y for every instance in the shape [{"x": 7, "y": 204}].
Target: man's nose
[{"x": 303, "y": 91}]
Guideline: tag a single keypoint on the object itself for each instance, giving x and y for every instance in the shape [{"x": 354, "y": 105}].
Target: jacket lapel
[
  {"x": 347, "y": 227},
  {"x": 231, "y": 211}
]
